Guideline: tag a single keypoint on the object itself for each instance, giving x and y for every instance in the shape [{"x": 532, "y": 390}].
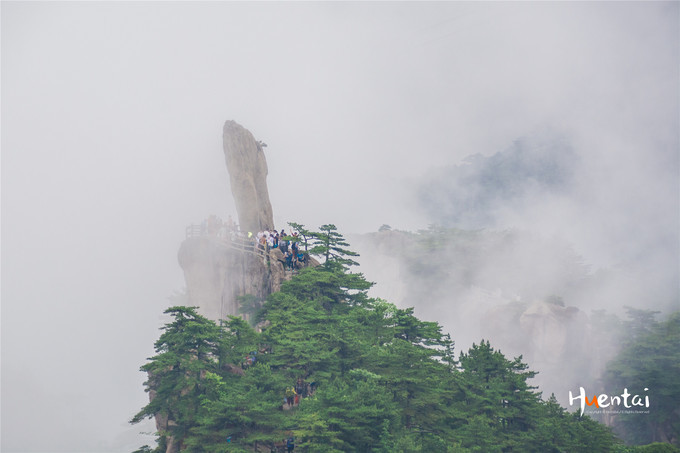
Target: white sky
[{"x": 111, "y": 145}]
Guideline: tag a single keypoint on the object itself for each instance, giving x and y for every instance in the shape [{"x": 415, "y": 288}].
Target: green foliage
[
  {"x": 353, "y": 408},
  {"x": 374, "y": 378},
  {"x": 332, "y": 246},
  {"x": 640, "y": 323},
  {"x": 143, "y": 449},
  {"x": 304, "y": 235},
  {"x": 249, "y": 305},
  {"x": 186, "y": 350},
  {"x": 650, "y": 359},
  {"x": 498, "y": 396},
  {"x": 656, "y": 447}
]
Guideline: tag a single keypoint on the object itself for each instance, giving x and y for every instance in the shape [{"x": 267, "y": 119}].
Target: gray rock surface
[
  {"x": 217, "y": 271},
  {"x": 217, "y": 275},
  {"x": 247, "y": 168}
]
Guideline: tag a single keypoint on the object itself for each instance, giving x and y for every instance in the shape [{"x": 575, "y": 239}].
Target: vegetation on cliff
[
  {"x": 650, "y": 359},
  {"x": 371, "y": 377}
]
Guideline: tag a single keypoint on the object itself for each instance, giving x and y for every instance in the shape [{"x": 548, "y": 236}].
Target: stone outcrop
[
  {"x": 219, "y": 269},
  {"x": 247, "y": 168},
  {"x": 554, "y": 332},
  {"x": 217, "y": 275},
  {"x": 222, "y": 265}
]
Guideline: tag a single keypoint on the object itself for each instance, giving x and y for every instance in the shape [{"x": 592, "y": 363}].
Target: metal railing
[
  {"x": 246, "y": 245},
  {"x": 194, "y": 230},
  {"x": 232, "y": 239}
]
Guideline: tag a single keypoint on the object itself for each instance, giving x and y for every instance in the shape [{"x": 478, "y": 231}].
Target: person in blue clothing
[
  {"x": 290, "y": 444},
  {"x": 294, "y": 246}
]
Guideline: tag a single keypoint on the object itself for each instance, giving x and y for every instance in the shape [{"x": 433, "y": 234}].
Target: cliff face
[
  {"x": 247, "y": 168},
  {"x": 217, "y": 275},
  {"x": 221, "y": 266}
]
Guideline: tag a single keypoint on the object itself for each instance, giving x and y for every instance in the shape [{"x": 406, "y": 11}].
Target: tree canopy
[
  {"x": 650, "y": 359},
  {"x": 369, "y": 377}
]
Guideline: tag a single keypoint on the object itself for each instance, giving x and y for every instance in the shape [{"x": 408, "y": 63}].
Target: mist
[
  {"x": 506, "y": 259},
  {"x": 111, "y": 145}
]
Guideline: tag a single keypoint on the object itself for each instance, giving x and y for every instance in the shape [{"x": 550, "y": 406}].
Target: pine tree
[
  {"x": 651, "y": 360},
  {"x": 303, "y": 235},
  {"x": 330, "y": 244},
  {"x": 497, "y": 391},
  {"x": 187, "y": 349}
]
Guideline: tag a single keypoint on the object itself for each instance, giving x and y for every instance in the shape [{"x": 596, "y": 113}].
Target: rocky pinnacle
[{"x": 247, "y": 169}]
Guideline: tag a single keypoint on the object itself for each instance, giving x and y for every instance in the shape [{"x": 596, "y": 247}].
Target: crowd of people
[
  {"x": 288, "y": 244},
  {"x": 262, "y": 241}
]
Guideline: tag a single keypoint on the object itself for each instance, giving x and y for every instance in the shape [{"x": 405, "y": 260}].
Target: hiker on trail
[
  {"x": 290, "y": 444},
  {"x": 283, "y": 244},
  {"x": 290, "y": 395},
  {"x": 295, "y": 246},
  {"x": 289, "y": 260},
  {"x": 302, "y": 388}
]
